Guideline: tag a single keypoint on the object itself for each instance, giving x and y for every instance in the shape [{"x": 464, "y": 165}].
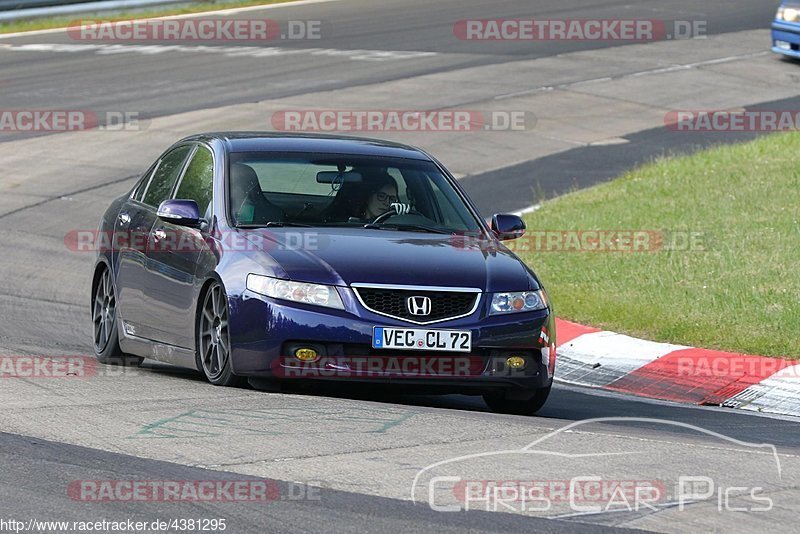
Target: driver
[{"x": 381, "y": 196}]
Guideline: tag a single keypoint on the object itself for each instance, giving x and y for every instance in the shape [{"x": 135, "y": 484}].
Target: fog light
[
  {"x": 516, "y": 362},
  {"x": 306, "y": 354},
  {"x": 783, "y": 45}
]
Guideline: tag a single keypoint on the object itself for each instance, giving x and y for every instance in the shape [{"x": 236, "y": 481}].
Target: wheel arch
[
  {"x": 201, "y": 296},
  {"x": 100, "y": 265},
  {"x": 212, "y": 278}
]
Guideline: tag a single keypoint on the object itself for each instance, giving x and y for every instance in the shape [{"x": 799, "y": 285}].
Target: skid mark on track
[
  {"x": 203, "y": 423},
  {"x": 70, "y": 194}
]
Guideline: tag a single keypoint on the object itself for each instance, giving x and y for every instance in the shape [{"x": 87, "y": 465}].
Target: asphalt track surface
[
  {"x": 62, "y": 433},
  {"x": 60, "y": 465},
  {"x": 157, "y": 86},
  {"x": 557, "y": 174}
]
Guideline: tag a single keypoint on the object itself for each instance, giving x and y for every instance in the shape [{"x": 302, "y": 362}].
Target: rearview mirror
[
  {"x": 506, "y": 226},
  {"x": 329, "y": 177},
  {"x": 180, "y": 212}
]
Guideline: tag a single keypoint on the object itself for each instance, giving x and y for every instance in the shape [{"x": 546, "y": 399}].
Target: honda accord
[{"x": 297, "y": 257}]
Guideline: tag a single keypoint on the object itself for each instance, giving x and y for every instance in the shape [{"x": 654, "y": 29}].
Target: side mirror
[
  {"x": 180, "y": 212},
  {"x": 506, "y": 226}
]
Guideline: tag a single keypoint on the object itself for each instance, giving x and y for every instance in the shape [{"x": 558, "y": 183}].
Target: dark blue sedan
[{"x": 295, "y": 257}]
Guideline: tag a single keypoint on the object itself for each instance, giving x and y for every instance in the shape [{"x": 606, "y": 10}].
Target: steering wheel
[{"x": 391, "y": 213}]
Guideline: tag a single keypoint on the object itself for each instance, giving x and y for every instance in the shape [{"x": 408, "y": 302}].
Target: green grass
[
  {"x": 740, "y": 292},
  {"x": 163, "y": 11}
]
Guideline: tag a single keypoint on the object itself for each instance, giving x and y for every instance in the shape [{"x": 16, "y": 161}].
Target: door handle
[
  {"x": 124, "y": 218},
  {"x": 159, "y": 234}
]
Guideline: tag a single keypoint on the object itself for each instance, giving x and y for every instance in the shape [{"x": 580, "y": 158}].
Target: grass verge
[
  {"x": 737, "y": 288},
  {"x": 47, "y": 23}
]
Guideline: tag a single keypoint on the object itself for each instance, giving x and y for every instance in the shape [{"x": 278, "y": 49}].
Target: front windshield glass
[{"x": 269, "y": 189}]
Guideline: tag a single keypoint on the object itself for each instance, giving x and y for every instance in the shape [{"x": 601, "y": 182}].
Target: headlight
[
  {"x": 788, "y": 13},
  {"x": 524, "y": 301},
  {"x": 317, "y": 294}
]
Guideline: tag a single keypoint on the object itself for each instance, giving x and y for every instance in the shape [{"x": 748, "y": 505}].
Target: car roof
[{"x": 320, "y": 143}]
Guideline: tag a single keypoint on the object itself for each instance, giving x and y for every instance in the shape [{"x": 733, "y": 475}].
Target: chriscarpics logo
[{"x": 585, "y": 468}]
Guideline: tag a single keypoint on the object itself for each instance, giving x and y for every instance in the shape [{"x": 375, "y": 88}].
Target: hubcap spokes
[
  {"x": 103, "y": 310},
  {"x": 214, "y": 333}
]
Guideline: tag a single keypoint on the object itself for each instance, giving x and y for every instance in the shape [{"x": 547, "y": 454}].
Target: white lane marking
[
  {"x": 599, "y": 358},
  {"x": 647, "y": 72},
  {"x": 610, "y": 141},
  {"x": 705, "y": 63},
  {"x": 231, "y": 11},
  {"x": 529, "y": 209},
  {"x": 230, "y": 51}
]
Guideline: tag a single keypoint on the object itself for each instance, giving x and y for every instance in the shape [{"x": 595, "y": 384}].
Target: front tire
[
  {"x": 104, "y": 324},
  {"x": 502, "y": 402},
  {"x": 213, "y": 338}
]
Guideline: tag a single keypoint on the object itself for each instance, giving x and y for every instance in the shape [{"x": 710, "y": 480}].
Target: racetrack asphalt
[{"x": 366, "y": 447}]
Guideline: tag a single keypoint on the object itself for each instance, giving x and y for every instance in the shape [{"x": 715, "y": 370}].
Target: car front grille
[{"x": 393, "y": 302}]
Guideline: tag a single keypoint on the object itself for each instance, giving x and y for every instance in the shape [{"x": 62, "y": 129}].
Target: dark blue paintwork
[
  {"x": 159, "y": 293},
  {"x": 184, "y": 212}
]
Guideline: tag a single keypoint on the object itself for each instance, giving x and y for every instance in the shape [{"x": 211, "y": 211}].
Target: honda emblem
[{"x": 419, "y": 305}]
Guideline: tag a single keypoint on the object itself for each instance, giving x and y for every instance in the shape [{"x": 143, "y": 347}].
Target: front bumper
[
  {"x": 264, "y": 332},
  {"x": 786, "y": 39}
]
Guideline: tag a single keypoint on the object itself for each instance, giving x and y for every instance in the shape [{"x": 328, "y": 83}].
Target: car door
[
  {"x": 131, "y": 233},
  {"x": 172, "y": 253}
]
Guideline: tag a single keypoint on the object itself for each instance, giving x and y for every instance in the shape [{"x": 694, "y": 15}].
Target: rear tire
[
  {"x": 500, "y": 402},
  {"x": 213, "y": 338},
  {"x": 104, "y": 324}
]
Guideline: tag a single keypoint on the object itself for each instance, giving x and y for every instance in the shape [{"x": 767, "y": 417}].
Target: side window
[
  {"x": 395, "y": 173},
  {"x": 164, "y": 178},
  {"x": 197, "y": 182},
  {"x": 141, "y": 187}
]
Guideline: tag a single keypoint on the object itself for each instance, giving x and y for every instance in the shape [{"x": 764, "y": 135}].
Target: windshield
[{"x": 269, "y": 189}]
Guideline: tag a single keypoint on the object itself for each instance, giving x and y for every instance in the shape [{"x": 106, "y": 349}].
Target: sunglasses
[{"x": 383, "y": 197}]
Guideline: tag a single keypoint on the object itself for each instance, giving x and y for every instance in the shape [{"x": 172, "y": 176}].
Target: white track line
[{"x": 231, "y": 11}]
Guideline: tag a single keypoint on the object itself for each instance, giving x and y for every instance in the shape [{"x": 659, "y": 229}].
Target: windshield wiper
[
  {"x": 274, "y": 224},
  {"x": 409, "y": 227},
  {"x": 279, "y": 224}
]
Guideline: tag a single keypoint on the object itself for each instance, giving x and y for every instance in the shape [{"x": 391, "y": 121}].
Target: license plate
[{"x": 420, "y": 339}]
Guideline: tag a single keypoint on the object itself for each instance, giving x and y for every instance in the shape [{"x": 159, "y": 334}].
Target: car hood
[{"x": 342, "y": 256}]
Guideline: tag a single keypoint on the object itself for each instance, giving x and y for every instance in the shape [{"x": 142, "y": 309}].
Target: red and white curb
[{"x": 607, "y": 360}]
